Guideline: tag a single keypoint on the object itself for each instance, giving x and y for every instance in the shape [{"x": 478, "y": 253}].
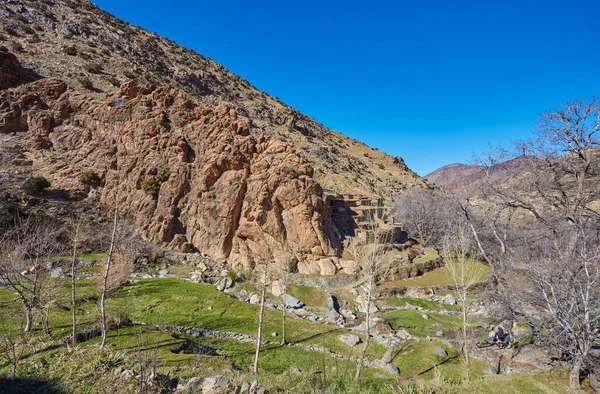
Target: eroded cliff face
[{"x": 228, "y": 194}]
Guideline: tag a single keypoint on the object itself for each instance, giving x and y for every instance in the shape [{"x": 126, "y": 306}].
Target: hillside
[{"x": 73, "y": 39}]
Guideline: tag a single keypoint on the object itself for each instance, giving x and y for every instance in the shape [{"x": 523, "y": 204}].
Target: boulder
[
  {"x": 277, "y": 288},
  {"x": 163, "y": 273},
  {"x": 327, "y": 266},
  {"x": 350, "y": 340},
  {"x": 440, "y": 351},
  {"x": 254, "y": 299},
  {"x": 57, "y": 273},
  {"x": 245, "y": 388},
  {"x": 224, "y": 283},
  {"x": 349, "y": 267},
  {"x": 292, "y": 302},
  {"x": 193, "y": 384},
  {"x": 489, "y": 370},
  {"x": 213, "y": 383},
  {"x": 392, "y": 368},
  {"x": 332, "y": 302}
]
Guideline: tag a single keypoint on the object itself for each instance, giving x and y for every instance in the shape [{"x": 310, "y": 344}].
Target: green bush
[
  {"x": 16, "y": 46},
  {"x": 10, "y": 31},
  {"x": 89, "y": 178},
  {"x": 70, "y": 50},
  {"x": 86, "y": 83},
  {"x": 151, "y": 186},
  {"x": 164, "y": 172},
  {"x": 35, "y": 186},
  {"x": 129, "y": 75},
  {"x": 113, "y": 81},
  {"x": 93, "y": 68},
  {"x": 27, "y": 30}
]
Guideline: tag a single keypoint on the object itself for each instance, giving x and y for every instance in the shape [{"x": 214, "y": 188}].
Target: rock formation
[{"x": 226, "y": 193}]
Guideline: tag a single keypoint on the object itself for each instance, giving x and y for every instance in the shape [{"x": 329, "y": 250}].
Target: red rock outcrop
[{"x": 217, "y": 188}]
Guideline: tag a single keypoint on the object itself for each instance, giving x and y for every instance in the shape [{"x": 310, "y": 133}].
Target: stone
[
  {"x": 350, "y": 340},
  {"x": 292, "y": 302},
  {"x": 193, "y": 384},
  {"x": 353, "y": 291},
  {"x": 332, "y": 302},
  {"x": 448, "y": 299},
  {"x": 245, "y": 388},
  {"x": 349, "y": 267},
  {"x": 214, "y": 382},
  {"x": 392, "y": 368},
  {"x": 439, "y": 333},
  {"x": 253, "y": 386},
  {"x": 57, "y": 273},
  {"x": 440, "y": 351},
  {"x": 274, "y": 334},
  {"x": 224, "y": 283},
  {"x": 163, "y": 273},
  {"x": 327, "y": 266},
  {"x": 489, "y": 370},
  {"x": 424, "y": 315},
  {"x": 254, "y": 299},
  {"x": 295, "y": 371},
  {"x": 277, "y": 288}
]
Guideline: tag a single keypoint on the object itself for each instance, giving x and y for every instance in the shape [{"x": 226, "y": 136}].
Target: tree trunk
[
  {"x": 284, "y": 311},
  {"x": 260, "y": 321},
  {"x": 28, "y": 318},
  {"x": 465, "y": 341},
  {"x": 575, "y": 373},
  {"x": 105, "y": 280},
  {"x": 367, "y": 330},
  {"x": 73, "y": 301}
]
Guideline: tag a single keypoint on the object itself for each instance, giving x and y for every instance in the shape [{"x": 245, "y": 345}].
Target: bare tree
[
  {"x": 265, "y": 260},
  {"x": 458, "y": 251},
  {"x": 375, "y": 270},
  {"x": 107, "y": 267},
  {"x": 13, "y": 338},
  {"x": 288, "y": 263},
  {"x": 546, "y": 229},
  {"x": 424, "y": 213},
  {"x": 24, "y": 266}
]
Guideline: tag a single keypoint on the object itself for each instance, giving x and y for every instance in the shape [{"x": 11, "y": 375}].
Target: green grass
[
  {"x": 440, "y": 277},
  {"x": 425, "y": 304},
  {"x": 417, "y": 325},
  {"x": 428, "y": 255},
  {"x": 311, "y": 296}
]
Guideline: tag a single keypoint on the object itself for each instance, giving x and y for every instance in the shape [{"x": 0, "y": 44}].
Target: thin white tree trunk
[
  {"x": 285, "y": 285},
  {"x": 73, "y": 301},
  {"x": 105, "y": 280},
  {"x": 260, "y": 321},
  {"x": 368, "y": 327}
]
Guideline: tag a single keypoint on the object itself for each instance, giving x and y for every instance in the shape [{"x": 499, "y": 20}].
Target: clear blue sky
[{"x": 431, "y": 81}]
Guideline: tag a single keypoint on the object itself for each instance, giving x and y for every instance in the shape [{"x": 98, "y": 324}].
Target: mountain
[
  {"x": 464, "y": 178},
  {"x": 193, "y": 155}
]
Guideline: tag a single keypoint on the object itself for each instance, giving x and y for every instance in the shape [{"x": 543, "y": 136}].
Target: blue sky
[{"x": 431, "y": 81}]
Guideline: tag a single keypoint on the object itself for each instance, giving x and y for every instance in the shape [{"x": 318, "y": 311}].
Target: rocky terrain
[
  {"x": 73, "y": 39},
  {"x": 194, "y": 156}
]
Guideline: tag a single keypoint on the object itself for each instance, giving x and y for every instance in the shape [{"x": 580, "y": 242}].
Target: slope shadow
[{"x": 29, "y": 385}]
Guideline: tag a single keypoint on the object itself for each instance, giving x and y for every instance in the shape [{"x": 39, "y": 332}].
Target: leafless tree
[
  {"x": 545, "y": 228},
  {"x": 458, "y": 250},
  {"x": 25, "y": 260},
  {"x": 288, "y": 263},
  {"x": 264, "y": 261},
  {"x": 375, "y": 270},
  {"x": 13, "y": 338},
  {"x": 423, "y": 213}
]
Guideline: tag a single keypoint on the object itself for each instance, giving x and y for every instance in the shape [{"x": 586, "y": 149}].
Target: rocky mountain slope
[
  {"x": 73, "y": 40},
  {"x": 194, "y": 156}
]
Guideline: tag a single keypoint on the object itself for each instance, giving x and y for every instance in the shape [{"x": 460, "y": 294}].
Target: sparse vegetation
[
  {"x": 36, "y": 185},
  {"x": 89, "y": 178},
  {"x": 70, "y": 50},
  {"x": 16, "y": 46},
  {"x": 93, "y": 68},
  {"x": 151, "y": 186},
  {"x": 87, "y": 83}
]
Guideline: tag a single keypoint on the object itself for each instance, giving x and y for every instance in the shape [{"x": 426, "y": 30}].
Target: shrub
[
  {"x": 2, "y": 38},
  {"x": 84, "y": 55},
  {"x": 27, "y": 30},
  {"x": 36, "y": 185},
  {"x": 70, "y": 50},
  {"x": 93, "y": 68},
  {"x": 89, "y": 178},
  {"x": 86, "y": 83},
  {"x": 129, "y": 75},
  {"x": 113, "y": 81},
  {"x": 151, "y": 186},
  {"x": 37, "y": 27},
  {"x": 16, "y": 46},
  {"x": 163, "y": 173},
  {"x": 10, "y": 31}
]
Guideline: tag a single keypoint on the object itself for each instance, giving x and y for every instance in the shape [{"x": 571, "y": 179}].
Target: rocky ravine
[{"x": 229, "y": 194}]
